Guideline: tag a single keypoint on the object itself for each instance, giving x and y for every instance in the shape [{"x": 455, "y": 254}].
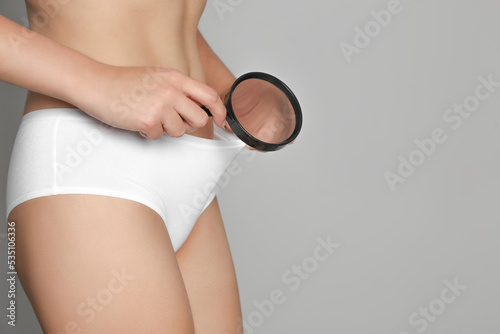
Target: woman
[{"x": 111, "y": 182}]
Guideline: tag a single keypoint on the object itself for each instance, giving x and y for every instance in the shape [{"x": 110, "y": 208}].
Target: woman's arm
[
  {"x": 217, "y": 75},
  {"x": 35, "y": 62}
]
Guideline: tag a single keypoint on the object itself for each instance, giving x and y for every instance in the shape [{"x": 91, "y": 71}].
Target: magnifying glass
[{"x": 262, "y": 111}]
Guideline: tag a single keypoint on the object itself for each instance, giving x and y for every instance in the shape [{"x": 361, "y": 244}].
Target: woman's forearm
[
  {"x": 35, "y": 62},
  {"x": 217, "y": 75}
]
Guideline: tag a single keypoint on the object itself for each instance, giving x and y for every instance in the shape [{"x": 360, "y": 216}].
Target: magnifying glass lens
[{"x": 263, "y": 110}]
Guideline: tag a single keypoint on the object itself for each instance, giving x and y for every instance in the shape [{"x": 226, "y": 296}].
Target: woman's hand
[{"x": 153, "y": 101}]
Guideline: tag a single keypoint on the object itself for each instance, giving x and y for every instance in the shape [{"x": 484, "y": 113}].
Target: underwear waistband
[{"x": 222, "y": 137}]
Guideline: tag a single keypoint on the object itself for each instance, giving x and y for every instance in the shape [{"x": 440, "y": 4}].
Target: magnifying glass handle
[{"x": 207, "y": 111}]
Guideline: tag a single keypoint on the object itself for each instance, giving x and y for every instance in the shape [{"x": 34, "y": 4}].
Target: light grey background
[{"x": 397, "y": 249}]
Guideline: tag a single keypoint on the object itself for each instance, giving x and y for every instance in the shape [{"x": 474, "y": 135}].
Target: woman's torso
[{"x": 123, "y": 33}]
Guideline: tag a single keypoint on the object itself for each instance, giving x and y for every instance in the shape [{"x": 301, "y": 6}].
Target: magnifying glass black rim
[{"x": 247, "y": 137}]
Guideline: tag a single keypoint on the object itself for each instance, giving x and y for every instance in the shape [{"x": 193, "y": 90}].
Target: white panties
[{"x": 66, "y": 151}]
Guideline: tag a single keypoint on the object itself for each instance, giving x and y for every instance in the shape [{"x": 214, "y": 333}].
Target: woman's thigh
[
  {"x": 99, "y": 264},
  {"x": 207, "y": 268}
]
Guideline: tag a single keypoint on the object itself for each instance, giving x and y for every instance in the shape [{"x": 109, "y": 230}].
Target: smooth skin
[{"x": 98, "y": 264}]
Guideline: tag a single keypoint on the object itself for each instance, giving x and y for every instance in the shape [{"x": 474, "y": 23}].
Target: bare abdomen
[{"x": 120, "y": 32}]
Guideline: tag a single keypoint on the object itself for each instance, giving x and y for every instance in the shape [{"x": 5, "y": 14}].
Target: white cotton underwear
[{"x": 66, "y": 151}]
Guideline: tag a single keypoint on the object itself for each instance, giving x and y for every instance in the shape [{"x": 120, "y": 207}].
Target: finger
[
  {"x": 173, "y": 124},
  {"x": 206, "y": 96},
  {"x": 155, "y": 134},
  {"x": 189, "y": 127},
  {"x": 228, "y": 128},
  {"x": 191, "y": 113},
  {"x": 152, "y": 130},
  {"x": 254, "y": 149}
]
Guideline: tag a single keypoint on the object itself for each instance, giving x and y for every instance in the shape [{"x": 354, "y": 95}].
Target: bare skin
[
  {"x": 97, "y": 264},
  {"x": 147, "y": 33}
]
